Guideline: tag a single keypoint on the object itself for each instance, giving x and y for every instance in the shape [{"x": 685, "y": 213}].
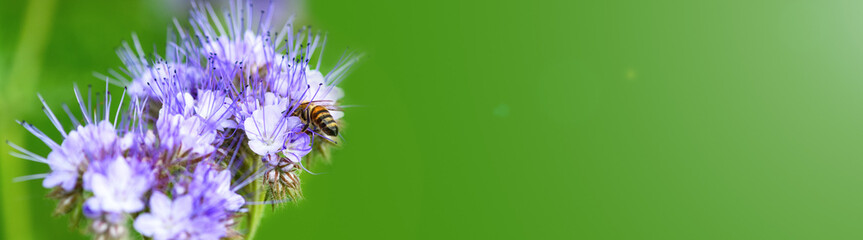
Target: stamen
[
  {"x": 51, "y": 116},
  {"x": 72, "y": 117},
  {"x": 81, "y": 104},
  {"x": 30, "y": 177},
  {"x": 119, "y": 106},
  {"x": 40, "y": 135},
  {"x": 30, "y": 155}
]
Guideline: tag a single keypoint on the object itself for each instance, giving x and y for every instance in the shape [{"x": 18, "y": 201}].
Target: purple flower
[
  {"x": 249, "y": 104},
  {"x": 214, "y": 188},
  {"x": 250, "y": 49},
  {"x": 319, "y": 90},
  {"x": 163, "y": 78},
  {"x": 203, "y": 208},
  {"x": 71, "y": 159},
  {"x": 184, "y": 103},
  {"x": 215, "y": 108},
  {"x": 167, "y": 219},
  {"x": 267, "y": 129},
  {"x": 67, "y": 162},
  {"x": 96, "y": 139},
  {"x": 118, "y": 188},
  {"x": 298, "y": 147},
  {"x": 287, "y": 82},
  {"x": 229, "y": 82},
  {"x": 185, "y": 135}
]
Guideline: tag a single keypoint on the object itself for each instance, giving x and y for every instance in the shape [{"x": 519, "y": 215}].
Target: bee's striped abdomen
[{"x": 324, "y": 120}]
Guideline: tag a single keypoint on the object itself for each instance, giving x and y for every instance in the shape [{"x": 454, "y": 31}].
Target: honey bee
[{"x": 315, "y": 114}]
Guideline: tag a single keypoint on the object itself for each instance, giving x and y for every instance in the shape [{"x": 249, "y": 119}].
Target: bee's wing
[
  {"x": 329, "y": 104},
  {"x": 323, "y": 102}
]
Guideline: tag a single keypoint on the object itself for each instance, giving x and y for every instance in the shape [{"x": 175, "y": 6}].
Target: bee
[{"x": 315, "y": 114}]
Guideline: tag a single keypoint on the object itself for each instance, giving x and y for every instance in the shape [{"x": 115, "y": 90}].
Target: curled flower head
[{"x": 220, "y": 112}]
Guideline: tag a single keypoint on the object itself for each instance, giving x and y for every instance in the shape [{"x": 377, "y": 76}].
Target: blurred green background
[{"x": 525, "y": 119}]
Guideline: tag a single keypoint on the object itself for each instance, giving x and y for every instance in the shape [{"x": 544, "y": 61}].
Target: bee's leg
[{"x": 307, "y": 121}]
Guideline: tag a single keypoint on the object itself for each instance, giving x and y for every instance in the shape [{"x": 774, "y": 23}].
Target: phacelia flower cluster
[{"x": 222, "y": 124}]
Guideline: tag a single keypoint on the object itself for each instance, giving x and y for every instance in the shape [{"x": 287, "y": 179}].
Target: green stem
[{"x": 256, "y": 211}]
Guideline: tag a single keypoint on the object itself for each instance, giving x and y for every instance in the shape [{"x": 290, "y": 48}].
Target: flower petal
[
  {"x": 147, "y": 224},
  {"x": 160, "y": 205}
]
